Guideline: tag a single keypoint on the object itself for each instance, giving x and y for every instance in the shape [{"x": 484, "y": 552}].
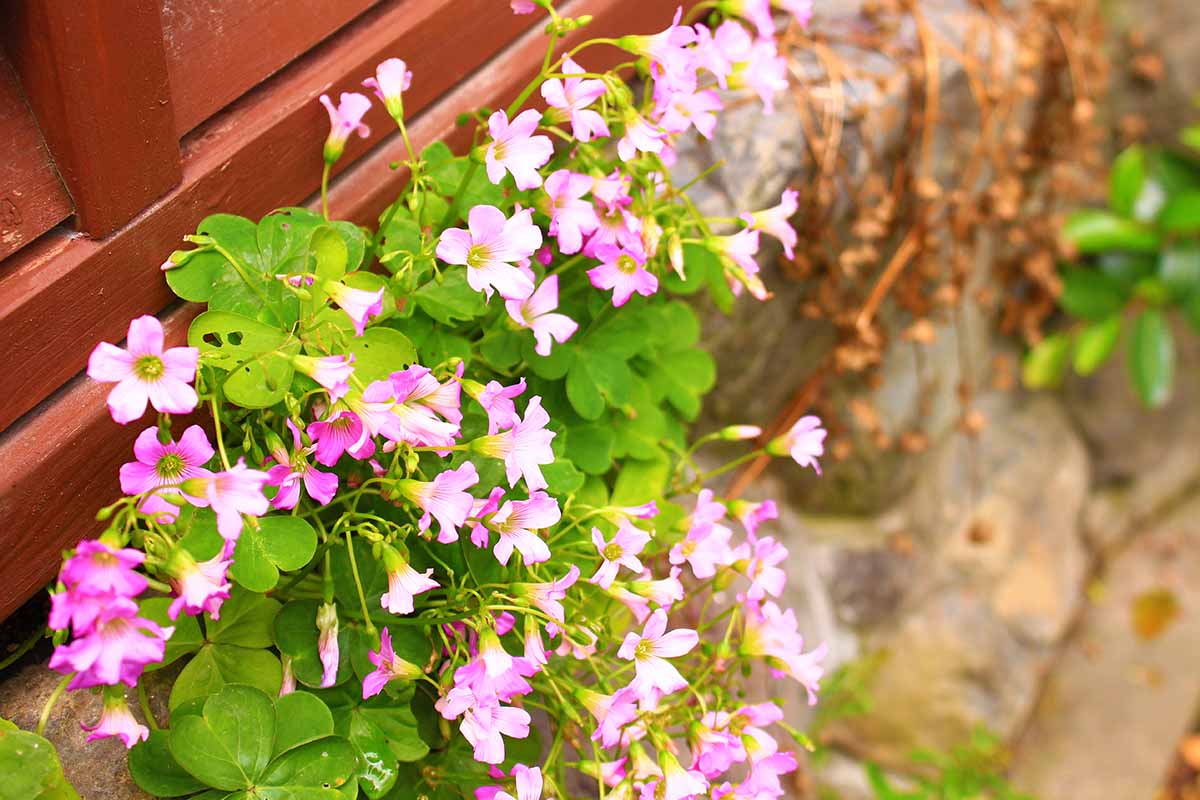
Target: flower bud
[{"x": 737, "y": 433}]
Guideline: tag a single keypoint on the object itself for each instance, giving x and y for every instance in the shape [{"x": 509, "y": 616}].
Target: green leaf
[
  {"x": 1190, "y": 136},
  {"x": 155, "y": 769},
  {"x": 641, "y": 481},
  {"x": 356, "y": 240},
  {"x": 551, "y": 367},
  {"x": 590, "y": 448},
  {"x": 300, "y": 718},
  {"x": 1046, "y": 363},
  {"x": 330, "y": 257},
  {"x": 246, "y": 619},
  {"x": 1179, "y": 269},
  {"x": 685, "y": 376},
  {"x": 1126, "y": 179},
  {"x": 256, "y": 356},
  {"x": 218, "y": 666},
  {"x": 229, "y": 745},
  {"x": 1096, "y": 343},
  {"x": 1092, "y": 231},
  {"x": 187, "y": 637},
  {"x": 1090, "y": 294},
  {"x": 326, "y": 764},
  {"x": 275, "y": 543},
  {"x": 1181, "y": 214},
  {"x": 30, "y": 768},
  {"x": 383, "y": 731},
  {"x": 296, "y": 635},
  {"x": 452, "y": 299},
  {"x": 594, "y": 378},
  {"x": 562, "y": 477},
  {"x": 379, "y": 352},
  {"x": 698, "y": 263},
  {"x": 1126, "y": 269},
  {"x": 502, "y": 348},
  {"x": 1151, "y": 358}
]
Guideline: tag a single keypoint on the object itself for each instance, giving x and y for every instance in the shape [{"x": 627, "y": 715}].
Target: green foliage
[
  {"x": 972, "y": 771},
  {"x": 30, "y": 767},
  {"x": 1139, "y": 262}
]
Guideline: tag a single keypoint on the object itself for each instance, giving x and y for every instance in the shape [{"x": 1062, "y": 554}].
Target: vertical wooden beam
[{"x": 95, "y": 75}]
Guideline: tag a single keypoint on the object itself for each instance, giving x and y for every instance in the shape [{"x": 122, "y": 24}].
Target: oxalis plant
[{"x": 436, "y": 526}]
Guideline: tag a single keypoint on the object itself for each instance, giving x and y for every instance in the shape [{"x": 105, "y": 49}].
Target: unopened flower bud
[{"x": 737, "y": 433}]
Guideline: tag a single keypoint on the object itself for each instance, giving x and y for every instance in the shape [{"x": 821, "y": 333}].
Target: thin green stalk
[
  {"x": 144, "y": 702},
  {"x": 452, "y": 210},
  {"x": 25, "y": 647},
  {"x": 362, "y": 596},
  {"x": 50, "y": 703},
  {"x": 325, "y": 190}
]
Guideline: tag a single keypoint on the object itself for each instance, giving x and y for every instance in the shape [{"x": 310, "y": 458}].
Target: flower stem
[
  {"x": 217, "y": 428},
  {"x": 50, "y": 703},
  {"x": 144, "y": 702},
  {"x": 325, "y": 191},
  {"x": 362, "y": 596}
]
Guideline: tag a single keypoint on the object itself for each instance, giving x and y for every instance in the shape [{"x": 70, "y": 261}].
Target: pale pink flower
[
  {"x": 641, "y": 135},
  {"x": 388, "y": 667},
  {"x": 344, "y": 120},
  {"x": 528, "y": 783},
  {"x": 445, "y": 498},
  {"x": 117, "y": 720},
  {"x": 98, "y": 569},
  {"x": 680, "y": 783},
  {"x": 764, "y": 72},
  {"x": 718, "y": 51},
  {"x": 621, "y": 551},
  {"x": 392, "y": 79},
  {"x": 497, "y": 401},
  {"x": 117, "y": 649},
  {"x": 404, "y": 417},
  {"x": 332, "y": 372},
  {"x": 231, "y": 493},
  {"x": 416, "y": 384},
  {"x": 490, "y": 248},
  {"x": 199, "y": 586},
  {"x": 571, "y": 217},
  {"x": 404, "y": 583},
  {"x": 751, "y": 515},
  {"x": 740, "y": 247},
  {"x": 485, "y": 725},
  {"x": 802, "y": 10},
  {"x": 287, "y": 682},
  {"x": 359, "y": 304},
  {"x": 650, "y": 650},
  {"x": 612, "y": 712},
  {"x": 523, "y": 448},
  {"x": 160, "y": 466},
  {"x": 773, "y": 635},
  {"x": 516, "y": 521},
  {"x": 623, "y": 271},
  {"x": 548, "y": 596},
  {"x": 668, "y": 51},
  {"x": 776, "y": 221},
  {"x": 481, "y": 511},
  {"x": 144, "y": 372},
  {"x": 757, "y": 12},
  {"x": 804, "y": 442},
  {"x": 573, "y": 96},
  {"x": 536, "y": 312},
  {"x": 327, "y": 643},
  {"x": 341, "y": 432},
  {"x": 515, "y": 149},
  {"x": 763, "y": 781},
  {"x": 704, "y": 549},
  {"x": 291, "y": 470},
  {"x": 522, "y": 6},
  {"x": 762, "y": 568},
  {"x": 683, "y": 110}
]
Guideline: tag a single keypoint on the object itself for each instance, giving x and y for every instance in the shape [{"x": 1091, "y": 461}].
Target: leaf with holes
[
  {"x": 380, "y": 352},
  {"x": 256, "y": 356}
]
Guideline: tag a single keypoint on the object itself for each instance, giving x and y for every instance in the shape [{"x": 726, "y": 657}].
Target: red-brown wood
[
  {"x": 62, "y": 295},
  {"x": 59, "y": 464},
  {"x": 97, "y": 83},
  {"x": 219, "y": 49},
  {"x": 32, "y": 198}
]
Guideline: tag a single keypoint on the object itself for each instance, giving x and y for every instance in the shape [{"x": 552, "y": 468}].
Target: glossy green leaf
[
  {"x": 300, "y": 718},
  {"x": 1046, "y": 363},
  {"x": 1090, "y": 294},
  {"x": 330, "y": 259},
  {"x": 229, "y": 745},
  {"x": 699, "y": 262},
  {"x": 217, "y": 666},
  {"x": 155, "y": 769},
  {"x": 590, "y": 448},
  {"x": 256, "y": 356},
  {"x": 1179, "y": 269},
  {"x": 1126, "y": 269},
  {"x": 384, "y": 732},
  {"x": 187, "y": 637},
  {"x": 1151, "y": 358},
  {"x": 1093, "y": 231},
  {"x": 379, "y": 352},
  {"x": 641, "y": 480},
  {"x": 1096, "y": 343},
  {"x": 1181, "y": 214},
  {"x": 685, "y": 376},
  {"x": 562, "y": 477},
  {"x": 502, "y": 348},
  {"x": 267, "y": 546},
  {"x": 295, "y": 632},
  {"x": 452, "y": 299},
  {"x": 595, "y": 380},
  {"x": 1126, "y": 179},
  {"x": 326, "y": 764},
  {"x": 551, "y": 367},
  {"x": 30, "y": 767},
  {"x": 246, "y": 620}
]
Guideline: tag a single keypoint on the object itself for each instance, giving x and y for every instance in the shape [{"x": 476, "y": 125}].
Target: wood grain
[{"x": 97, "y": 83}]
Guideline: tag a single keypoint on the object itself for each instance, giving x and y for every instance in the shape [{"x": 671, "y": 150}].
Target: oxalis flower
[
  {"x": 232, "y": 493},
  {"x": 444, "y": 498},
  {"x": 344, "y": 120},
  {"x": 332, "y": 372},
  {"x": 489, "y": 249},
  {"x": 117, "y": 720},
  {"x": 572, "y": 96},
  {"x": 515, "y": 150},
  {"x": 528, "y": 784},
  {"x": 623, "y": 271},
  {"x": 497, "y": 402},
  {"x": 516, "y": 521},
  {"x": 523, "y": 448},
  {"x": 162, "y": 466},
  {"x": 777, "y": 221},
  {"x": 548, "y": 596},
  {"x": 404, "y": 583},
  {"x": 392, "y": 79},
  {"x": 327, "y": 643},
  {"x": 93, "y": 578},
  {"x": 117, "y": 649},
  {"x": 650, "y": 650},
  {"x": 293, "y": 469},
  {"x": 804, "y": 442},
  {"x": 485, "y": 725},
  {"x": 341, "y": 432},
  {"x": 359, "y": 304},
  {"x": 621, "y": 551},
  {"x": 199, "y": 586},
  {"x": 667, "y": 50},
  {"x": 388, "y": 667},
  {"x": 773, "y": 634},
  {"x": 536, "y": 312},
  {"x": 145, "y": 373},
  {"x": 571, "y": 217}
]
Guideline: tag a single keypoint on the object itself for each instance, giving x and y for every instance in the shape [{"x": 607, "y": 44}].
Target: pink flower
[
  {"x": 663, "y": 592},
  {"x": 650, "y": 651},
  {"x": 612, "y": 712},
  {"x": 144, "y": 372},
  {"x": 803, "y": 442},
  {"x": 758, "y": 12},
  {"x": 529, "y": 784},
  {"x": 416, "y": 384},
  {"x": 718, "y": 52},
  {"x": 571, "y": 217},
  {"x": 762, "y": 570},
  {"x": 342, "y": 432},
  {"x": 622, "y": 551},
  {"x": 516, "y": 150},
  {"x": 490, "y": 248},
  {"x": 485, "y": 724},
  {"x": 763, "y": 781},
  {"x": 764, "y": 72},
  {"x": 741, "y": 248},
  {"x": 332, "y": 372},
  {"x": 668, "y": 51},
  {"x": 704, "y": 549},
  {"x": 392, "y": 408},
  {"x": 117, "y": 720},
  {"x": 623, "y": 271},
  {"x": 516, "y": 521},
  {"x": 343, "y": 121},
  {"x": 327, "y": 643},
  {"x": 573, "y": 96},
  {"x": 359, "y": 304},
  {"x": 404, "y": 583},
  {"x": 680, "y": 783},
  {"x": 751, "y": 515},
  {"x": 536, "y": 312},
  {"x": 481, "y": 512},
  {"x": 292, "y": 470},
  {"x": 117, "y": 650},
  {"x": 523, "y": 448},
  {"x": 388, "y": 667},
  {"x": 497, "y": 401},
  {"x": 159, "y": 465},
  {"x": 776, "y": 221},
  {"x": 522, "y": 6},
  {"x": 201, "y": 586},
  {"x": 682, "y": 110},
  {"x": 773, "y": 635},
  {"x": 392, "y": 79},
  {"x": 231, "y": 493},
  {"x": 287, "y": 683},
  {"x": 444, "y": 498},
  {"x": 640, "y": 136},
  {"x": 802, "y": 10},
  {"x": 548, "y": 596},
  {"x": 98, "y": 569}
]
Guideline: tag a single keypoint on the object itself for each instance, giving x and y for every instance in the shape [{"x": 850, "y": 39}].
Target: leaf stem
[
  {"x": 362, "y": 596},
  {"x": 50, "y": 703}
]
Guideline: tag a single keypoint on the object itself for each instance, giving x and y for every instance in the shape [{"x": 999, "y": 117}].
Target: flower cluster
[{"x": 390, "y": 468}]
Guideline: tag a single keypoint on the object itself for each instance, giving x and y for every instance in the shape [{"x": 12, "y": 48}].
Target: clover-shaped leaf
[
  {"x": 295, "y": 633},
  {"x": 275, "y": 543},
  {"x": 257, "y": 356}
]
